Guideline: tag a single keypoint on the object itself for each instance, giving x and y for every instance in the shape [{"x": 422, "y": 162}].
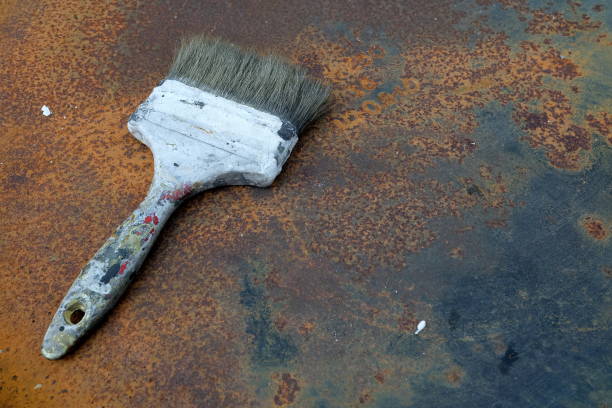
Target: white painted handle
[{"x": 108, "y": 274}]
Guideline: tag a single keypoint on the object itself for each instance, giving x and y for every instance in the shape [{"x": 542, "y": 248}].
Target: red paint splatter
[
  {"x": 177, "y": 194},
  {"x": 122, "y": 268},
  {"x": 151, "y": 219}
]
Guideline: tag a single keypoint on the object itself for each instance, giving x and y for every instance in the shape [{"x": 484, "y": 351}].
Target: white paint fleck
[
  {"x": 420, "y": 326},
  {"x": 45, "y": 110},
  {"x": 38, "y": 386}
]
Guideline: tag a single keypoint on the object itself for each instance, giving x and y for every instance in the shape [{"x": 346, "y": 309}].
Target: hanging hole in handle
[{"x": 74, "y": 313}]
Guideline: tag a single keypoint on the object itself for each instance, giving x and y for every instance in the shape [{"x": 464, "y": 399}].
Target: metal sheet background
[{"x": 462, "y": 178}]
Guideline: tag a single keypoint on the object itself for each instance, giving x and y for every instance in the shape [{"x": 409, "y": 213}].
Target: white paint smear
[
  {"x": 45, "y": 110},
  {"x": 38, "y": 386},
  {"x": 420, "y": 326}
]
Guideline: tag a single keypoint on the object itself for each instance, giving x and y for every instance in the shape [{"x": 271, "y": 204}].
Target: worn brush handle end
[{"x": 106, "y": 276}]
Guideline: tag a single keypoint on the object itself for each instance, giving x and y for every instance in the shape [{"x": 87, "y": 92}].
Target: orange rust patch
[
  {"x": 7, "y": 9},
  {"x": 409, "y": 85},
  {"x": 365, "y": 397},
  {"x": 544, "y": 22},
  {"x": 371, "y": 107},
  {"x": 575, "y": 138},
  {"x": 601, "y": 123},
  {"x": 454, "y": 376},
  {"x": 178, "y": 337},
  {"x": 552, "y": 62},
  {"x": 498, "y": 343},
  {"x": 497, "y": 223},
  {"x": 280, "y": 322},
  {"x": 595, "y": 228},
  {"x": 486, "y": 172},
  {"x": 287, "y": 389},
  {"x": 550, "y": 128},
  {"x": 306, "y": 328},
  {"x": 441, "y": 86},
  {"x": 407, "y": 321},
  {"x": 367, "y": 83},
  {"x": 456, "y": 253}
]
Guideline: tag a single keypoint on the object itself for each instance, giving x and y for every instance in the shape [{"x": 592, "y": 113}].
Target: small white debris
[
  {"x": 45, "y": 110},
  {"x": 38, "y": 386},
  {"x": 420, "y": 326},
  {"x": 1, "y": 350}
]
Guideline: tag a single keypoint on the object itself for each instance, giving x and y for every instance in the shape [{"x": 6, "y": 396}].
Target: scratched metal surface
[{"x": 463, "y": 178}]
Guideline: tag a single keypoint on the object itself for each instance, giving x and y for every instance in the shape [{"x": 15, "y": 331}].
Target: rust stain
[
  {"x": 497, "y": 223},
  {"x": 595, "y": 227},
  {"x": 456, "y": 253},
  {"x": 601, "y": 122},
  {"x": 365, "y": 397},
  {"x": 455, "y": 376},
  {"x": 288, "y": 387},
  {"x": 280, "y": 322},
  {"x": 7, "y": 10},
  {"x": 402, "y": 153},
  {"x": 545, "y": 22},
  {"x": 455, "y": 84},
  {"x": 407, "y": 322},
  {"x": 306, "y": 328}
]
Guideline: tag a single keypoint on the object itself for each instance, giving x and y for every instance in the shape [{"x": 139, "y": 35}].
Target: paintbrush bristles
[{"x": 263, "y": 82}]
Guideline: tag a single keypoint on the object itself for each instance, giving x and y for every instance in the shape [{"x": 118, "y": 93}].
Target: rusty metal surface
[{"x": 463, "y": 178}]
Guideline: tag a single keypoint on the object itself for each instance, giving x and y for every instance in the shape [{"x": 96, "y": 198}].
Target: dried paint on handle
[
  {"x": 199, "y": 141},
  {"x": 104, "y": 279}
]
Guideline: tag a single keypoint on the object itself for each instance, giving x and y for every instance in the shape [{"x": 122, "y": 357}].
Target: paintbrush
[{"x": 223, "y": 116}]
